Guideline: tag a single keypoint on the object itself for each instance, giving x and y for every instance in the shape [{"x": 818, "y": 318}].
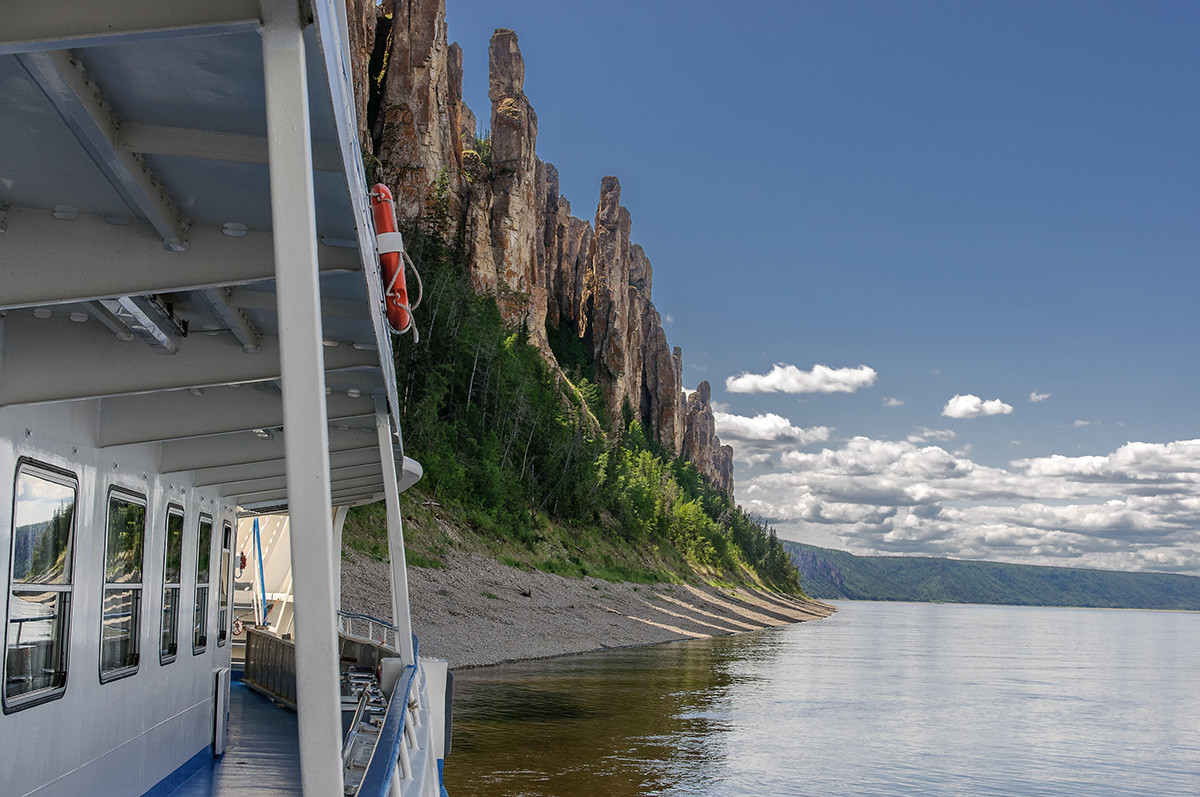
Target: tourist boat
[{"x": 193, "y": 329}]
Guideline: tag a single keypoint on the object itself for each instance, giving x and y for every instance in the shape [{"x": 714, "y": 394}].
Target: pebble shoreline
[{"x": 478, "y": 612}]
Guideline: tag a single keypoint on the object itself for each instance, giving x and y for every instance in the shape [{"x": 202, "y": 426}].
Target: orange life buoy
[{"x": 395, "y": 293}]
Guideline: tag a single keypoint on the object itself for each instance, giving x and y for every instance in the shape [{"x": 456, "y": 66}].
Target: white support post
[
  {"x": 302, "y": 366},
  {"x": 395, "y": 529},
  {"x": 339, "y": 521}
]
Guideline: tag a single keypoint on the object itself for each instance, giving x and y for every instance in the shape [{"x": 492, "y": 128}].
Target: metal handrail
[
  {"x": 390, "y": 750},
  {"x": 346, "y": 622},
  {"x": 348, "y": 745}
]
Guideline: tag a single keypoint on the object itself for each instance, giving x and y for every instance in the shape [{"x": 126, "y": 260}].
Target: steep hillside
[
  {"x": 543, "y": 398},
  {"x": 827, "y": 573},
  {"x": 556, "y": 275}
]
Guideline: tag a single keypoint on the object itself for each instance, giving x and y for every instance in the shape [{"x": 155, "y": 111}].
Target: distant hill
[{"x": 826, "y": 573}]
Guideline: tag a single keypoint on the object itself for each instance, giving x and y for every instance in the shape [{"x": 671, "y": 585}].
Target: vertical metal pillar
[
  {"x": 395, "y": 529},
  {"x": 339, "y": 522},
  {"x": 306, "y": 443}
]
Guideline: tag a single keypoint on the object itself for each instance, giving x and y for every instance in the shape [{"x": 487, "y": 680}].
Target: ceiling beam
[
  {"x": 278, "y": 503},
  {"x": 367, "y": 484},
  {"x": 182, "y": 142},
  {"x": 81, "y": 104},
  {"x": 33, "y": 26},
  {"x": 356, "y": 474},
  {"x": 45, "y": 261},
  {"x": 56, "y": 359},
  {"x": 179, "y": 415},
  {"x": 278, "y": 467},
  {"x": 243, "y": 448}
]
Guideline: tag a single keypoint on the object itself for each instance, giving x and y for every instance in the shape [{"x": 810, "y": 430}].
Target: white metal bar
[
  {"x": 187, "y": 143},
  {"x": 177, "y": 415},
  {"x": 398, "y": 567},
  {"x": 264, "y": 470},
  {"x": 241, "y": 327},
  {"x": 90, "y": 258},
  {"x": 244, "y": 448},
  {"x": 40, "y": 26},
  {"x": 92, "y": 120},
  {"x": 405, "y": 763},
  {"x": 306, "y": 444},
  {"x": 56, "y": 359},
  {"x": 331, "y": 28},
  {"x": 339, "y": 520}
]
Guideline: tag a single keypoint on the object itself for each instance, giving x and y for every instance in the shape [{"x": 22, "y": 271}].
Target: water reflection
[
  {"x": 624, "y": 722},
  {"x": 881, "y": 699}
]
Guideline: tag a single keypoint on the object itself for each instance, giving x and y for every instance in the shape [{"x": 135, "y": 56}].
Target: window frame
[
  {"x": 166, "y": 657},
  {"x": 125, "y": 671},
  {"x": 225, "y": 584},
  {"x": 202, "y": 606},
  {"x": 64, "y": 478}
]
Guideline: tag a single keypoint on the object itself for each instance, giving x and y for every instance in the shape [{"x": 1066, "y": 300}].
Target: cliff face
[{"x": 543, "y": 265}]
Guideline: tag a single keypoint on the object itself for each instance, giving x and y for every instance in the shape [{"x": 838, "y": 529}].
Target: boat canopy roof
[{"x": 137, "y": 257}]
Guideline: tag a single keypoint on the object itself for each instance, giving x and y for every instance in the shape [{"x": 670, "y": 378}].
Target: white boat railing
[
  {"x": 368, "y": 628},
  {"x": 399, "y": 759}
]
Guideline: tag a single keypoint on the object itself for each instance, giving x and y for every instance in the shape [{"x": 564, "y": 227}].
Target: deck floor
[{"x": 262, "y": 753}]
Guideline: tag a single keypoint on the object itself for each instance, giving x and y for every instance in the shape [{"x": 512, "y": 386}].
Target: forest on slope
[
  {"x": 538, "y": 390},
  {"x": 517, "y": 452},
  {"x": 828, "y": 573}
]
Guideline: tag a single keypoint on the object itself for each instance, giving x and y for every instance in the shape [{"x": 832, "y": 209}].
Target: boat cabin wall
[{"x": 96, "y": 699}]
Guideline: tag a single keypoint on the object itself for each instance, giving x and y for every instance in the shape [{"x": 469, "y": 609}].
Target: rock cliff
[
  {"x": 701, "y": 446},
  {"x": 545, "y": 267}
]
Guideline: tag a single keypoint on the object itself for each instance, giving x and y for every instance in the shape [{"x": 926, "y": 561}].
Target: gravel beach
[{"x": 477, "y": 611}]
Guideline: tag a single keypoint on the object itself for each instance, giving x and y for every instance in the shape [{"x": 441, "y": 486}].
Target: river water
[{"x": 880, "y": 699}]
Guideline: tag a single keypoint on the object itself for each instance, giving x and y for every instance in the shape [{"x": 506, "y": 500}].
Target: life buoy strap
[{"x": 388, "y": 242}]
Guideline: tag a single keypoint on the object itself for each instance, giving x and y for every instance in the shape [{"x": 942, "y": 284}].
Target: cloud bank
[
  {"x": 1137, "y": 508},
  {"x": 763, "y": 439},
  {"x": 970, "y": 406},
  {"x": 785, "y": 378}
]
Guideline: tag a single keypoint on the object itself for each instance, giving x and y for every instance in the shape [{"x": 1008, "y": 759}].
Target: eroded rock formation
[
  {"x": 701, "y": 445},
  {"x": 544, "y": 266}
]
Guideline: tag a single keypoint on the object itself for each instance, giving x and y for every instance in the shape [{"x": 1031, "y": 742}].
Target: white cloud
[
  {"x": 923, "y": 434},
  {"x": 892, "y": 402},
  {"x": 764, "y": 438},
  {"x": 1136, "y": 508},
  {"x": 670, "y": 319},
  {"x": 1078, "y": 424},
  {"x": 766, "y": 427},
  {"x": 785, "y": 378},
  {"x": 1035, "y": 396},
  {"x": 970, "y": 406},
  {"x": 753, "y": 460}
]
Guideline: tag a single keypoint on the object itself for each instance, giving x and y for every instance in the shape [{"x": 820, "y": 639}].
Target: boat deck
[{"x": 262, "y": 753}]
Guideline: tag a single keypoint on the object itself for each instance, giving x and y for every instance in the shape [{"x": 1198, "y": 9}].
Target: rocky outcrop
[
  {"x": 505, "y": 199},
  {"x": 417, "y": 128},
  {"x": 544, "y": 266},
  {"x": 701, "y": 446}
]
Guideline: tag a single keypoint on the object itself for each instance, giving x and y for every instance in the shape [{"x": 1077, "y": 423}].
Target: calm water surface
[{"x": 880, "y": 699}]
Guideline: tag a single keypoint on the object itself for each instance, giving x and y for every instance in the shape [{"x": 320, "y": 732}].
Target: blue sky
[{"x": 988, "y": 200}]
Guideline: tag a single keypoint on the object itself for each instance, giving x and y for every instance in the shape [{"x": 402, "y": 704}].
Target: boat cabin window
[
  {"x": 172, "y": 568},
  {"x": 40, "y": 582},
  {"x": 204, "y": 554},
  {"x": 223, "y": 600},
  {"x": 124, "y": 549}
]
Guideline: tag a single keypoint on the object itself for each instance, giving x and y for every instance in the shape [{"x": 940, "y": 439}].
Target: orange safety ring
[{"x": 391, "y": 263}]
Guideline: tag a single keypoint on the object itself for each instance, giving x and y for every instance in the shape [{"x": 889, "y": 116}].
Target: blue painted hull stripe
[{"x": 184, "y": 771}]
